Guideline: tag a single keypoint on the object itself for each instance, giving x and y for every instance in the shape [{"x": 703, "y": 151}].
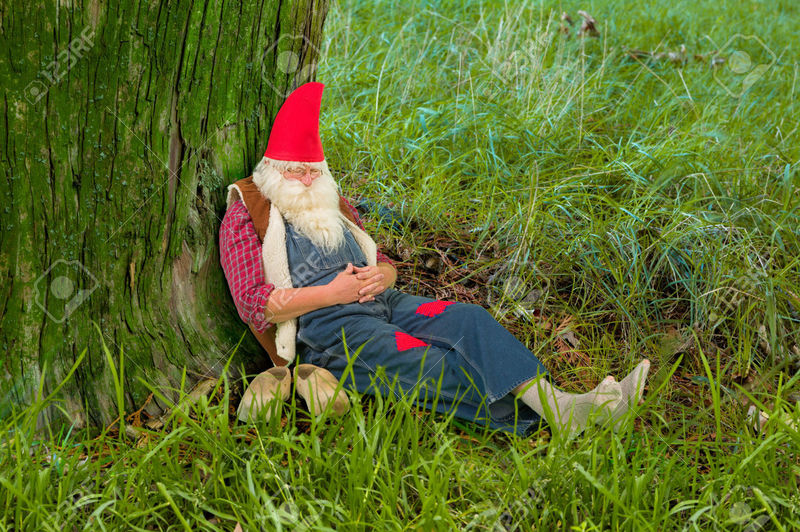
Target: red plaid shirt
[{"x": 240, "y": 255}]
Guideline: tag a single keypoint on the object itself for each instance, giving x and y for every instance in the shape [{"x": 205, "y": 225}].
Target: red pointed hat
[{"x": 295, "y": 132}]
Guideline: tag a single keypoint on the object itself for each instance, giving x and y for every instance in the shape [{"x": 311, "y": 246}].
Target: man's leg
[
  {"x": 495, "y": 360},
  {"x": 420, "y": 367},
  {"x": 493, "y": 354},
  {"x": 504, "y": 363}
]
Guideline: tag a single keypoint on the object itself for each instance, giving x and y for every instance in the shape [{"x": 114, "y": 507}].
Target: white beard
[{"x": 313, "y": 210}]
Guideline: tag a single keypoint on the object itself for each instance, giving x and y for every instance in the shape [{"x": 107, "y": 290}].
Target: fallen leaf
[
  {"x": 758, "y": 419},
  {"x": 563, "y": 27},
  {"x": 589, "y": 25},
  {"x": 155, "y": 424},
  {"x": 201, "y": 389},
  {"x": 763, "y": 341}
]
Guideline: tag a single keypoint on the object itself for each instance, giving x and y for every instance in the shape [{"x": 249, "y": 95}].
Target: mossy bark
[{"x": 123, "y": 122}]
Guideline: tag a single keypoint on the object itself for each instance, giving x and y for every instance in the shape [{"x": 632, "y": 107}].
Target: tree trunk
[{"x": 123, "y": 122}]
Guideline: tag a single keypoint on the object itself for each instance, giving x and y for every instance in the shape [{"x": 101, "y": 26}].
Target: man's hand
[
  {"x": 351, "y": 285},
  {"x": 345, "y": 287},
  {"x": 372, "y": 280},
  {"x": 376, "y": 279}
]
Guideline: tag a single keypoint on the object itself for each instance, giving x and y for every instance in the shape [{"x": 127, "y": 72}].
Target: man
[{"x": 310, "y": 282}]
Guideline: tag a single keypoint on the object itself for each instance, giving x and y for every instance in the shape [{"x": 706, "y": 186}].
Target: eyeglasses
[{"x": 298, "y": 171}]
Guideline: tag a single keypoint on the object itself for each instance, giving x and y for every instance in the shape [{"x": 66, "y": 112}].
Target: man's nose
[{"x": 307, "y": 179}]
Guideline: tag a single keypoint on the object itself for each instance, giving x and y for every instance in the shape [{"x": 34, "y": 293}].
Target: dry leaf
[
  {"x": 567, "y": 343},
  {"x": 570, "y": 338},
  {"x": 589, "y": 25},
  {"x": 759, "y": 419},
  {"x": 563, "y": 27},
  {"x": 155, "y": 424},
  {"x": 201, "y": 389},
  {"x": 762, "y": 335}
]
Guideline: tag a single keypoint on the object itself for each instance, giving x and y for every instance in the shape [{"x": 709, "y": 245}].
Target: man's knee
[
  {"x": 438, "y": 306},
  {"x": 474, "y": 310}
]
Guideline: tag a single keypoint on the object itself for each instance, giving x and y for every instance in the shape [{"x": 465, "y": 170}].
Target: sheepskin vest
[{"x": 280, "y": 340}]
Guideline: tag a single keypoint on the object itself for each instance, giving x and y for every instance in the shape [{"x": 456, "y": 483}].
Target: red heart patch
[
  {"x": 433, "y": 308},
  {"x": 406, "y": 341}
]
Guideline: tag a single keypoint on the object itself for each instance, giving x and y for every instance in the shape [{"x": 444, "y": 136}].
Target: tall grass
[{"x": 657, "y": 210}]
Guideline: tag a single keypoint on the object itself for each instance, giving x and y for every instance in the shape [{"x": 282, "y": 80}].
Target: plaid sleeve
[
  {"x": 381, "y": 257},
  {"x": 240, "y": 256}
]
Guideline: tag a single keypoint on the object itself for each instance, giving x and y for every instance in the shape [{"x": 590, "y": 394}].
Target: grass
[{"x": 656, "y": 213}]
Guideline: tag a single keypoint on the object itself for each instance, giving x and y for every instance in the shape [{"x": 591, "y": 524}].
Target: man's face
[{"x": 303, "y": 173}]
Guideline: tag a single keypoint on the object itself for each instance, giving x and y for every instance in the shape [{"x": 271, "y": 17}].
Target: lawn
[{"x": 609, "y": 195}]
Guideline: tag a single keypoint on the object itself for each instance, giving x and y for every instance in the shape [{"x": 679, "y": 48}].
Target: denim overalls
[{"x": 417, "y": 339}]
